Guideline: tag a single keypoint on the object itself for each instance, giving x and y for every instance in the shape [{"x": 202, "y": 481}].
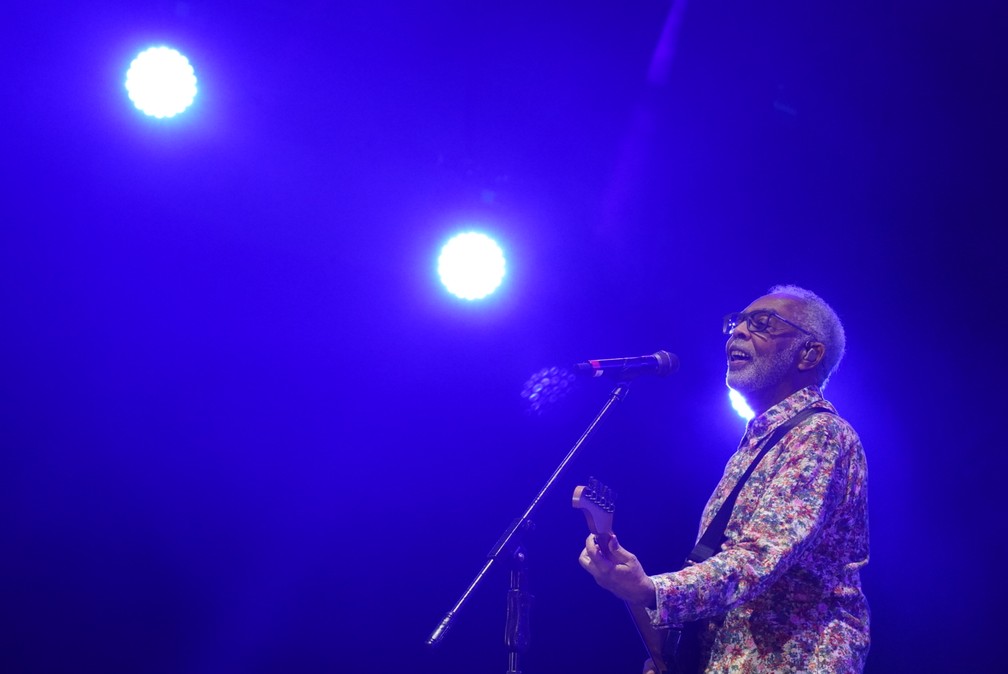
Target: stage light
[
  {"x": 471, "y": 265},
  {"x": 161, "y": 82},
  {"x": 739, "y": 404}
]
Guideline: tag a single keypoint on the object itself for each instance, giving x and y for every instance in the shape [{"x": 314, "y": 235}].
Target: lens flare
[{"x": 546, "y": 387}]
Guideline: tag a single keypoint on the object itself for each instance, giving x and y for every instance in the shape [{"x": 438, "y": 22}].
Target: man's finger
[
  {"x": 618, "y": 553},
  {"x": 594, "y": 550}
]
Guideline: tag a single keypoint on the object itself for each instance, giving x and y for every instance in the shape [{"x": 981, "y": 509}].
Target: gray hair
[{"x": 816, "y": 316}]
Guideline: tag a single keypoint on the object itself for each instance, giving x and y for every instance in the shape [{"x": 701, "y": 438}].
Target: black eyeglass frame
[{"x": 732, "y": 320}]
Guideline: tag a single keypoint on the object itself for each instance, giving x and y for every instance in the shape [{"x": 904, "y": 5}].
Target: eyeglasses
[{"x": 757, "y": 321}]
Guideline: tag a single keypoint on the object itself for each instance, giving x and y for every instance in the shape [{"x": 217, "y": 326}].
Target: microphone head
[{"x": 668, "y": 363}]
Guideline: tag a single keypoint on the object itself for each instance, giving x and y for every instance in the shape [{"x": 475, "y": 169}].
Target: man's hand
[
  {"x": 617, "y": 570},
  {"x": 649, "y": 667}
]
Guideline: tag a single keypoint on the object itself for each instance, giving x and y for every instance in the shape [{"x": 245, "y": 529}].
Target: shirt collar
[{"x": 761, "y": 426}]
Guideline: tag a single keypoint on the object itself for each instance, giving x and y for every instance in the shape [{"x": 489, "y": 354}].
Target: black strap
[{"x": 714, "y": 535}]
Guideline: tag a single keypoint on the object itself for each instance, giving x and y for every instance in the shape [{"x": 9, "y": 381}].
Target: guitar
[{"x": 597, "y": 502}]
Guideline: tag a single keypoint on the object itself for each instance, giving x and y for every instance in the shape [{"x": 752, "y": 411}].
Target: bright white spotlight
[
  {"x": 739, "y": 404},
  {"x": 471, "y": 265},
  {"x": 161, "y": 82}
]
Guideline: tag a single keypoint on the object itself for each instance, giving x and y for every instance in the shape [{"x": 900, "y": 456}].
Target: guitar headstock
[{"x": 598, "y": 503}]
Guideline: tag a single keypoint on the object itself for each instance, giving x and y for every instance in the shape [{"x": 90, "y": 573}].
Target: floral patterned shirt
[{"x": 783, "y": 594}]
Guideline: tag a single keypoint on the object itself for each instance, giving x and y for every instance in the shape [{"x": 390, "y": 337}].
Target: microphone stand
[{"x": 517, "y": 633}]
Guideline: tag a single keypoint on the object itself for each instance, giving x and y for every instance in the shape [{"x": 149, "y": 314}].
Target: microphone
[{"x": 660, "y": 363}]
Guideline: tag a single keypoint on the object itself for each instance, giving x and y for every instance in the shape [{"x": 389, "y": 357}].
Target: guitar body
[{"x": 597, "y": 503}]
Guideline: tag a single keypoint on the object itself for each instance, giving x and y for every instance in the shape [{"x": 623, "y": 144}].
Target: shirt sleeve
[{"x": 771, "y": 525}]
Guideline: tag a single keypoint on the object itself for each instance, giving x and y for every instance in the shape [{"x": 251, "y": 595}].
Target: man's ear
[{"x": 811, "y": 355}]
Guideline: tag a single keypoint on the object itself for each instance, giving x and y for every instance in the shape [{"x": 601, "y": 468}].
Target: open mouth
[{"x": 737, "y": 356}]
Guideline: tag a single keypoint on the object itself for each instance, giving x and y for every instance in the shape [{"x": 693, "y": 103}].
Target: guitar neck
[
  {"x": 654, "y": 640},
  {"x": 596, "y": 502}
]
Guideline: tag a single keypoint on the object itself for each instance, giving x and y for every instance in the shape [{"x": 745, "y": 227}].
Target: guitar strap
[
  {"x": 687, "y": 650},
  {"x": 714, "y": 535}
]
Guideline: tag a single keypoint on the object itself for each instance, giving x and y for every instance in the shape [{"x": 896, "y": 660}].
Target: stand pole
[
  {"x": 513, "y": 532},
  {"x": 519, "y": 604}
]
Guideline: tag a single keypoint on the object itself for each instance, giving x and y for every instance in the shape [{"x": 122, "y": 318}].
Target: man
[{"x": 782, "y": 592}]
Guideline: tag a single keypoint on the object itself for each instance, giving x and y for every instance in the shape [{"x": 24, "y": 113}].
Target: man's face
[{"x": 764, "y": 361}]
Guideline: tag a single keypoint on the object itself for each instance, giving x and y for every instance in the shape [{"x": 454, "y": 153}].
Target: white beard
[{"x": 762, "y": 373}]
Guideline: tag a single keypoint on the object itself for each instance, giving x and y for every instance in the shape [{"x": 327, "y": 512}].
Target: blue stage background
[{"x": 245, "y": 430}]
